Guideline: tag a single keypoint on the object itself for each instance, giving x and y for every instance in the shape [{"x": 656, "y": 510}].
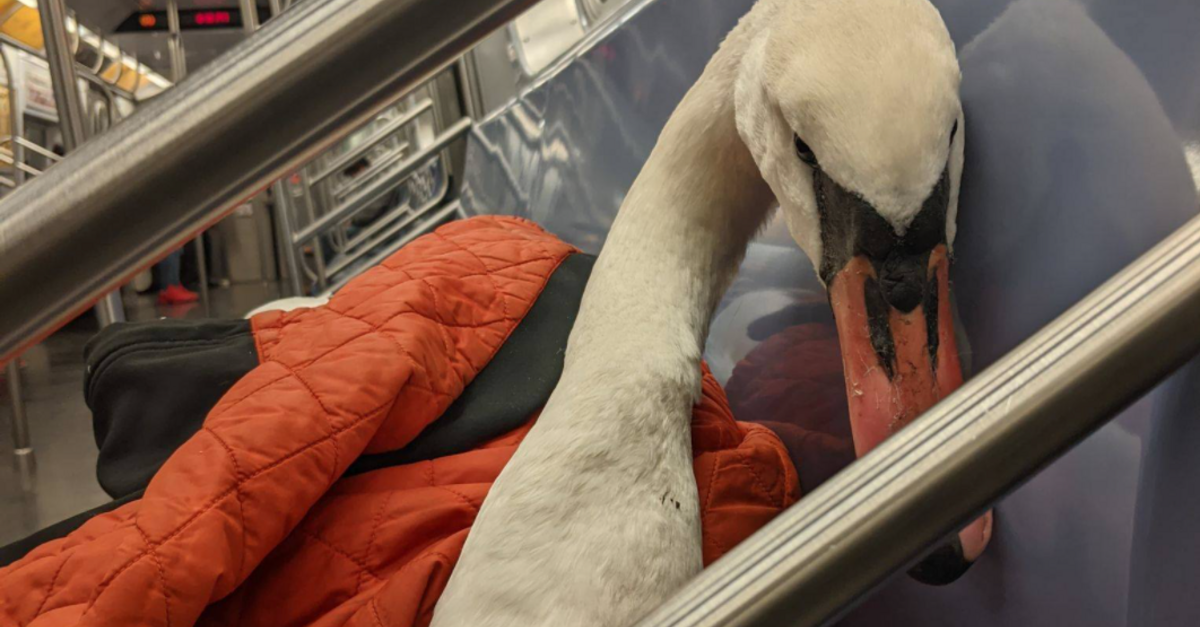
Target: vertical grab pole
[
  {"x": 249, "y": 16},
  {"x": 318, "y": 251},
  {"x": 70, "y": 112},
  {"x": 285, "y": 227},
  {"x": 178, "y": 72},
  {"x": 22, "y": 448},
  {"x": 62, "y": 73}
]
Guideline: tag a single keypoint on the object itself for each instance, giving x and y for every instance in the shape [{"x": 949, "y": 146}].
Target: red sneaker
[{"x": 176, "y": 295}]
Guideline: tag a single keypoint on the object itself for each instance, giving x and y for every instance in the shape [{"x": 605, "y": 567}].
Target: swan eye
[
  {"x": 805, "y": 153},
  {"x": 953, "y": 132}
]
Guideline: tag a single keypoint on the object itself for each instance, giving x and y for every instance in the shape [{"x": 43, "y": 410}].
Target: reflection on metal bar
[
  {"x": 879, "y": 515},
  {"x": 385, "y": 184},
  {"x": 432, "y": 220},
  {"x": 375, "y": 139},
  {"x": 185, "y": 159},
  {"x": 359, "y": 245},
  {"x": 364, "y": 178}
]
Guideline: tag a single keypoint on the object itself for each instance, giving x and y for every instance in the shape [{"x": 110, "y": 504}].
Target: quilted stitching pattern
[
  {"x": 213, "y": 513},
  {"x": 251, "y": 511}
]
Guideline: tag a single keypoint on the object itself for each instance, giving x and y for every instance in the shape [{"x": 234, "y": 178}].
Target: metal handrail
[
  {"x": 366, "y": 240},
  {"x": 375, "y": 259},
  {"x": 389, "y": 229},
  {"x": 383, "y": 185},
  {"x": 376, "y": 138},
  {"x": 6, "y": 159},
  {"x": 365, "y": 177},
  {"x": 187, "y": 158},
  {"x": 49, "y": 154},
  {"x": 817, "y": 559}
]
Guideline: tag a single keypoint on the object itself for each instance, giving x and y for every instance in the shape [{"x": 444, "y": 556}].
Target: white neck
[
  {"x": 596, "y": 520},
  {"x": 677, "y": 240}
]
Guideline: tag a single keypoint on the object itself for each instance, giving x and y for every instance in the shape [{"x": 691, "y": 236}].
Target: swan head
[
  {"x": 851, "y": 111},
  {"x": 852, "y": 105}
]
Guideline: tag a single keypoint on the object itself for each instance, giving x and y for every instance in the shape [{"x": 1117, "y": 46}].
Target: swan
[{"x": 846, "y": 113}]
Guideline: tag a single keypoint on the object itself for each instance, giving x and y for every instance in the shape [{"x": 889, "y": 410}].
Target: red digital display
[
  {"x": 213, "y": 18},
  {"x": 189, "y": 19}
]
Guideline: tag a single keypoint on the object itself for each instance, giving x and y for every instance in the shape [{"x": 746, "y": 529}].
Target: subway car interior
[{"x": 600, "y": 312}]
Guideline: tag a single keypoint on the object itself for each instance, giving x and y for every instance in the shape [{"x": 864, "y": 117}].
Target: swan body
[{"x": 576, "y": 529}]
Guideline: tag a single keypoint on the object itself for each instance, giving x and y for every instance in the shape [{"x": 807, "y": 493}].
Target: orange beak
[{"x": 897, "y": 365}]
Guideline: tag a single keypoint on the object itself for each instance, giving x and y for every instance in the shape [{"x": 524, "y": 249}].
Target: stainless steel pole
[
  {"x": 817, "y": 559},
  {"x": 318, "y": 251},
  {"x": 184, "y": 160},
  {"x": 178, "y": 58},
  {"x": 70, "y": 113},
  {"x": 249, "y": 10},
  {"x": 175, "y": 50},
  {"x": 285, "y": 227},
  {"x": 467, "y": 73},
  {"x": 22, "y": 448},
  {"x": 276, "y": 7},
  {"x": 62, "y": 73}
]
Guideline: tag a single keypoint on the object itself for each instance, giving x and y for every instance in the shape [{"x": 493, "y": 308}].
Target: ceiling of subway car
[{"x": 151, "y": 48}]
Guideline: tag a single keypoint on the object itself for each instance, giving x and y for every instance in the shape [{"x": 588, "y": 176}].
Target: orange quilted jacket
[{"x": 250, "y": 523}]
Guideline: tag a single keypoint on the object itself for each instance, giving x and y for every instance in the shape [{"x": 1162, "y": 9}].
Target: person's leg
[
  {"x": 169, "y": 269},
  {"x": 172, "y": 290}
]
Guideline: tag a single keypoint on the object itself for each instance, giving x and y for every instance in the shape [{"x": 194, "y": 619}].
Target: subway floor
[{"x": 64, "y": 482}]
